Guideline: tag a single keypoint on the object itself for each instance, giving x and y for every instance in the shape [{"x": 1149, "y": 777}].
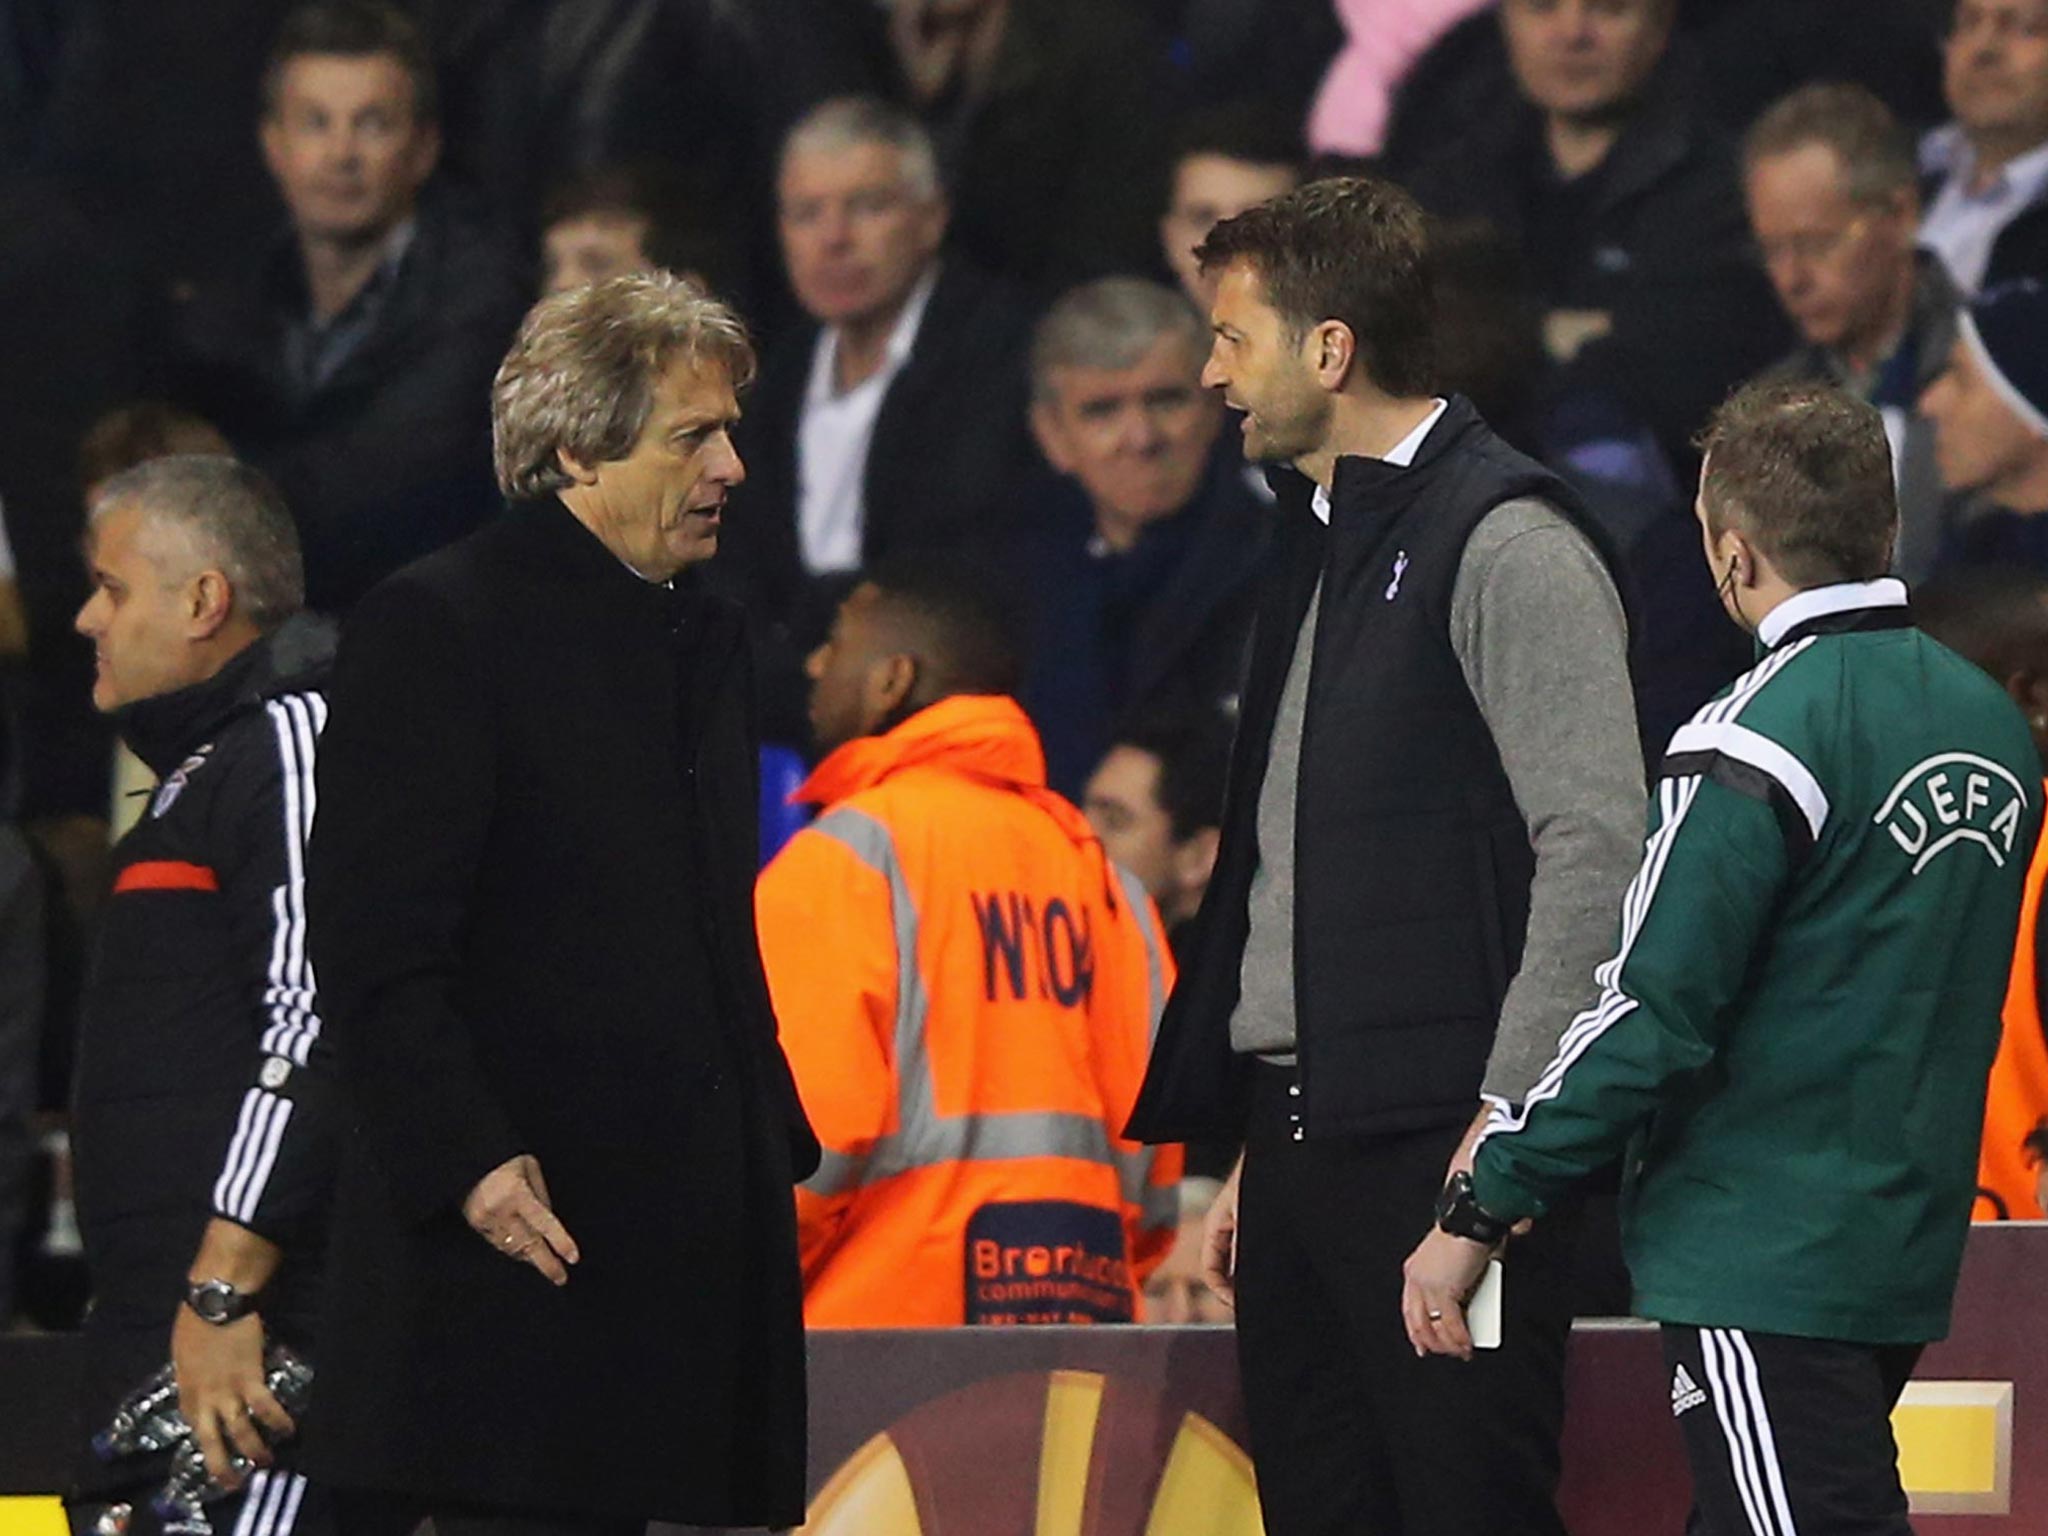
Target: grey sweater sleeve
[{"x": 1539, "y": 631}]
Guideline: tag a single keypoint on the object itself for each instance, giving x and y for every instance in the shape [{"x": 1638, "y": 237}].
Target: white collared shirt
[
  {"x": 1401, "y": 455},
  {"x": 833, "y": 437},
  {"x": 1839, "y": 597},
  {"x": 1961, "y": 226}
]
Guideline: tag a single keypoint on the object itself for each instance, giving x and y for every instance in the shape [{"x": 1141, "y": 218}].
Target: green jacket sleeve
[{"x": 1712, "y": 870}]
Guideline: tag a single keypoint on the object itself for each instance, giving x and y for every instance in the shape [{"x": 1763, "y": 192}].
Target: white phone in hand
[{"x": 1482, "y": 1312}]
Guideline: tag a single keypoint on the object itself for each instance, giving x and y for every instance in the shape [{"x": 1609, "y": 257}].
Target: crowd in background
[{"x": 961, "y": 231}]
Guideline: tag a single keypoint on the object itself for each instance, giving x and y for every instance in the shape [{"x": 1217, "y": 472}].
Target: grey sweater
[{"x": 1539, "y": 633}]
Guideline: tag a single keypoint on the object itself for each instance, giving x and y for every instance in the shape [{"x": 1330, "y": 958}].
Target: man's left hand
[
  {"x": 222, "y": 1394},
  {"x": 1438, "y": 1279}
]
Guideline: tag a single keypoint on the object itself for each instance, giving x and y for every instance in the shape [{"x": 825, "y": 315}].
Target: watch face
[{"x": 213, "y": 1301}]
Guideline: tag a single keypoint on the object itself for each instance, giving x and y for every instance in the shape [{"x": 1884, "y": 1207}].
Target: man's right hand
[
  {"x": 510, "y": 1210},
  {"x": 1219, "y": 1240}
]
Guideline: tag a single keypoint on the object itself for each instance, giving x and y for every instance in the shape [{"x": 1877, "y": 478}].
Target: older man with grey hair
[
  {"x": 1140, "y": 556},
  {"x": 203, "y": 1113},
  {"x": 564, "y": 1292},
  {"x": 893, "y": 419}
]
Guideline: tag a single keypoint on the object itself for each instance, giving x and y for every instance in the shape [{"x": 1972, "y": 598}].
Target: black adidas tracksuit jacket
[{"x": 203, "y": 1085}]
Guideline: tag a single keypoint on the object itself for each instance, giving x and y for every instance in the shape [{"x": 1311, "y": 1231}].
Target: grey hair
[
  {"x": 1111, "y": 323},
  {"x": 847, "y": 122},
  {"x": 229, "y": 517},
  {"x": 580, "y": 376},
  {"x": 1876, "y": 153}
]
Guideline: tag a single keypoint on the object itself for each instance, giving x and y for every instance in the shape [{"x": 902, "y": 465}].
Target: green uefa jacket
[{"x": 1793, "y": 1038}]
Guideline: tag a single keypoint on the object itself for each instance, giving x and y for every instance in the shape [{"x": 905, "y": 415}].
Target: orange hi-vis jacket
[
  {"x": 967, "y": 989},
  {"x": 2017, "y": 1100}
]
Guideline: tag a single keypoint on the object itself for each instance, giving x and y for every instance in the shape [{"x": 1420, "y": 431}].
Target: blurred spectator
[
  {"x": 1176, "y": 1293},
  {"x": 1489, "y": 336},
  {"x": 1834, "y": 203},
  {"x": 1047, "y": 117},
  {"x": 1989, "y": 168},
  {"x": 1751, "y": 53},
  {"x": 13, "y": 618},
  {"x": 1625, "y": 206},
  {"x": 1265, "y": 50},
  {"x": 628, "y": 219},
  {"x": 969, "y": 1030},
  {"x": 1756, "y": 52},
  {"x": 21, "y": 1032},
  {"x": 1997, "y": 616},
  {"x": 1156, "y": 801},
  {"x": 1224, "y": 161},
  {"x": 68, "y": 318},
  {"x": 1140, "y": 563},
  {"x": 354, "y": 363},
  {"x": 895, "y": 419},
  {"x": 1384, "y": 38},
  {"x": 134, "y": 434},
  {"x": 1990, "y": 415}
]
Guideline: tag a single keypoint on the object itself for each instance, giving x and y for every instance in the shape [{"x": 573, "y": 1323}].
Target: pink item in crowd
[{"x": 1386, "y": 38}]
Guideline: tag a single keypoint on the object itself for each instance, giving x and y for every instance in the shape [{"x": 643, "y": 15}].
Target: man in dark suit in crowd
[
  {"x": 1834, "y": 201},
  {"x": 564, "y": 1288},
  {"x": 894, "y": 419},
  {"x": 1990, "y": 413},
  {"x": 1140, "y": 562},
  {"x": 352, "y": 362},
  {"x": 1987, "y": 197},
  {"x": 1602, "y": 169}
]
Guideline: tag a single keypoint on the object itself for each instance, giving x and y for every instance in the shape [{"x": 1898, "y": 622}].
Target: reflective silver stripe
[
  {"x": 869, "y": 841},
  {"x": 837, "y": 1173},
  {"x": 923, "y": 1137},
  {"x": 1159, "y": 1203},
  {"x": 1137, "y": 899},
  {"x": 1161, "y": 1206}
]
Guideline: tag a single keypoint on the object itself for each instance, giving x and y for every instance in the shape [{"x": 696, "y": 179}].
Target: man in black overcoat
[{"x": 564, "y": 1292}]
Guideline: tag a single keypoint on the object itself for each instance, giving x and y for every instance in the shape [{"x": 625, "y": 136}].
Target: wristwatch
[
  {"x": 217, "y": 1302},
  {"x": 1459, "y": 1213}
]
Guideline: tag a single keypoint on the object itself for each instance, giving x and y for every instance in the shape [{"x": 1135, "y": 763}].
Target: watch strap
[{"x": 218, "y": 1302}]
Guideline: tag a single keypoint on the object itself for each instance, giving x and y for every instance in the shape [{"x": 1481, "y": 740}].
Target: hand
[
  {"x": 939, "y": 43},
  {"x": 1438, "y": 1279},
  {"x": 1566, "y": 332},
  {"x": 1219, "y": 1240},
  {"x": 510, "y": 1209},
  {"x": 928, "y": 49},
  {"x": 222, "y": 1394}
]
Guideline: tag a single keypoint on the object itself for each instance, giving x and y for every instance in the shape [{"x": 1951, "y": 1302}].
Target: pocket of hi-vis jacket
[{"x": 1046, "y": 1261}]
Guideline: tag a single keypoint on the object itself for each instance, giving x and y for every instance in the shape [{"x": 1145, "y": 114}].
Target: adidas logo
[{"x": 1685, "y": 1392}]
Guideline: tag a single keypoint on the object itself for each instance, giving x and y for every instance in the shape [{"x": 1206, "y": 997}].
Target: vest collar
[
  {"x": 1356, "y": 476},
  {"x": 1837, "y": 609}
]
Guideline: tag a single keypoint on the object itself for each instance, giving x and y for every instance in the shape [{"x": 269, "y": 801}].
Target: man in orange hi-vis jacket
[
  {"x": 966, "y": 988},
  {"x": 1998, "y": 617}
]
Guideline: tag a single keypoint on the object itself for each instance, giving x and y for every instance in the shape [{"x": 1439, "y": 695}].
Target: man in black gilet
[{"x": 1436, "y": 790}]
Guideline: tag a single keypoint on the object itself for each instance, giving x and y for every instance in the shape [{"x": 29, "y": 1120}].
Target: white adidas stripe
[
  {"x": 253, "y": 1498},
  {"x": 1730, "y": 1413},
  {"x": 1766, "y": 1441},
  {"x": 289, "y": 997}
]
